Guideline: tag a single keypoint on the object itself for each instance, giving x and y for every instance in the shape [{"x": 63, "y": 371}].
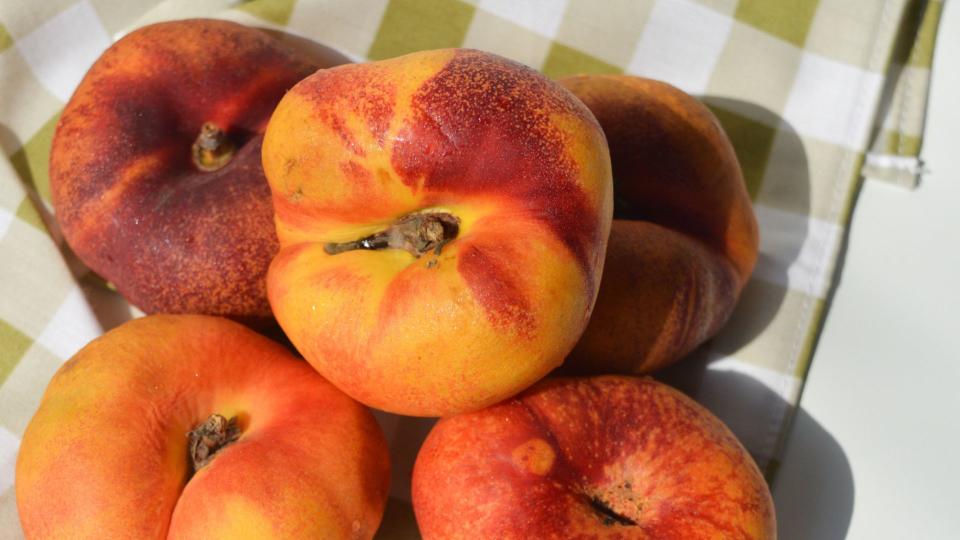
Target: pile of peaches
[{"x": 435, "y": 236}]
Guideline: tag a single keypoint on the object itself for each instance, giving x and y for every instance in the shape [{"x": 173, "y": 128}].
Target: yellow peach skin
[
  {"x": 107, "y": 454},
  {"x": 442, "y": 218}
]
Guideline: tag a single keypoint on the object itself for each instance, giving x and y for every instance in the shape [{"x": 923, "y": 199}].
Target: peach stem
[
  {"x": 212, "y": 149},
  {"x": 210, "y": 437},
  {"x": 415, "y": 233}
]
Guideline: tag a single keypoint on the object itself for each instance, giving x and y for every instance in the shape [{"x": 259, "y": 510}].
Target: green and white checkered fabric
[{"x": 813, "y": 94}]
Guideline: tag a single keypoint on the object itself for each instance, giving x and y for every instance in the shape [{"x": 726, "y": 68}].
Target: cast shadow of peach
[
  {"x": 784, "y": 190},
  {"x": 321, "y": 55},
  {"x": 405, "y": 434},
  {"x": 813, "y": 487}
]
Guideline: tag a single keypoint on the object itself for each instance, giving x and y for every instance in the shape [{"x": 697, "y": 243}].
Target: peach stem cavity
[
  {"x": 213, "y": 149},
  {"x": 209, "y": 437},
  {"x": 417, "y": 234}
]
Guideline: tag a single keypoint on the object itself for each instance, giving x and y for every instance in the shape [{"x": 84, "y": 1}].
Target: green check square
[
  {"x": 752, "y": 141},
  {"x": 788, "y": 20},
  {"x": 6, "y": 40},
  {"x": 897, "y": 143},
  {"x": 275, "y": 11},
  {"x": 922, "y": 53},
  {"x": 562, "y": 61},
  {"x": 27, "y": 212},
  {"x": 417, "y": 25},
  {"x": 13, "y": 345},
  {"x": 32, "y": 160}
]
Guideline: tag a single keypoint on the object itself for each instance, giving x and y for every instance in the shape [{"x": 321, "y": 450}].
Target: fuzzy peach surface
[
  {"x": 105, "y": 455},
  {"x": 515, "y": 158}
]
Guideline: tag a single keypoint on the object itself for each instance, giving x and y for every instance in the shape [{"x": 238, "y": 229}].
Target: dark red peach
[{"x": 155, "y": 168}]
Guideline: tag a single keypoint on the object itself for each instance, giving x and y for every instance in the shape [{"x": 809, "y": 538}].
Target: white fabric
[
  {"x": 681, "y": 44},
  {"x": 833, "y": 101},
  {"x": 791, "y": 258},
  {"x": 73, "y": 326},
  {"x": 541, "y": 17},
  {"x": 61, "y": 49}
]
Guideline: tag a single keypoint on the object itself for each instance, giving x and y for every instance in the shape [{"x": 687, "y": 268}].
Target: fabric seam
[{"x": 844, "y": 171}]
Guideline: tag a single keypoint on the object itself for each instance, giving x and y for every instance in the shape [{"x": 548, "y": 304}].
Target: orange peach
[
  {"x": 612, "y": 457},
  {"x": 442, "y": 220},
  {"x": 684, "y": 237},
  {"x": 188, "y": 426},
  {"x": 155, "y": 167}
]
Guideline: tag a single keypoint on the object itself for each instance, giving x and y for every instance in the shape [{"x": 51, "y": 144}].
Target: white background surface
[{"x": 875, "y": 450}]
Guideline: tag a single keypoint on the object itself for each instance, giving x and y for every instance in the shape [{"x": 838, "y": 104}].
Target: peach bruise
[
  {"x": 189, "y": 426},
  {"x": 155, "y": 167},
  {"x": 442, "y": 219}
]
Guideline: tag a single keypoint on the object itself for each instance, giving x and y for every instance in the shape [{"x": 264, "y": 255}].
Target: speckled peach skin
[
  {"x": 684, "y": 238},
  {"x": 106, "y": 455},
  {"x": 611, "y": 457},
  {"x": 518, "y": 160},
  {"x": 127, "y": 195}
]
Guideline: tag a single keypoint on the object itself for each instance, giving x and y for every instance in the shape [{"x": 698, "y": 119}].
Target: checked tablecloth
[{"x": 815, "y": 94}]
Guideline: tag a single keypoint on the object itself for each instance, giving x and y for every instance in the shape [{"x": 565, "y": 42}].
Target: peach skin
[
  {"x": 684, "y": 237},
  {"x": 155, "y": 166},
  {"x": 442, "y": 219},
  {"x": 189, "y": 426}
]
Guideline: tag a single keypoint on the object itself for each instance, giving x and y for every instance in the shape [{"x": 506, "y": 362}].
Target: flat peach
[
  {"x": 187, "y": 426},
  {"x": 684, "y": 237},
  {"x": 610, "y": 457},
  {"x": 442, "y": 219},
  {"x": 155, "y": 167}
]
